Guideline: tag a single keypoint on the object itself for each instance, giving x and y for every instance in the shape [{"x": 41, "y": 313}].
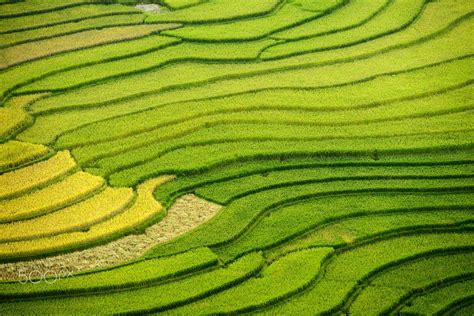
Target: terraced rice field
[{"x": 280, "y": 157}]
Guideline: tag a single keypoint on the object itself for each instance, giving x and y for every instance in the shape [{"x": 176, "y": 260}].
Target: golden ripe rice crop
[{"x": 224, "y": 157}]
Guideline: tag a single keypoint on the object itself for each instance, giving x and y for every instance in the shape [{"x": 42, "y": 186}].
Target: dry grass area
[{"x": 187, "y": 213}]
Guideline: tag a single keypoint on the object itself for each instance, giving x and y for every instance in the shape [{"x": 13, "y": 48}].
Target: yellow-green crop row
[
  {"x": 22, "y": 74},
  {"x": 248, "y": 29},
  {"x": 73, "y": 14},
  {"x": 14, "y": 153},
  {"x": 31, "y": 7},
  {"x": 79, "y": 216},
  {"x": 217, "y": 10},
  {"x": 355, "y": 13},
  {"x": 35, "y": 50},
  {"x": 27, "y": 178},
  {"x": 50, "y": 198},
  {"x": 11, "y": 120},
  {"x": 11, "y": 39},
  {"x": 144, "y": 210},
  {"x": 180, "y": 4},
  {"x": 20, "y": 101},
  {"x": 192, "y": 80}
]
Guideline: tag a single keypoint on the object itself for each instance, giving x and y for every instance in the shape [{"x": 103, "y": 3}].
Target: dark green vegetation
[{"x": 336, "y": 134}]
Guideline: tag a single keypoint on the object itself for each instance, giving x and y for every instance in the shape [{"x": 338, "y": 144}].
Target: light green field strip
[
  {"x": 434, "y": 302},
  {"x": 14, "y": 153},
  {"x": 152, "y": 298},
  {"x": 216, "y": 10},
  {"x": 304, "y": 220},
  {"x": 394, "y": 18},
  {"x": 23, "y": 74},
  {"x": 181, "y": 4},
  {"x": 186, "y": 53},
  {"x": 263, "y": 234},
  {"x": 431, "y": 26},
  {"x": 12, "y": 39},
  {"x": 225, "y": 192},
  {"x": 372, "y": 93},
  {"x": 32, "y": 51},
  {"x": 353, "y": 14},
  {"x": 20, "y": 102},
  {"x": 223, "y": 77},
  {"x": 266, "y": 166},
  {"x": 341, "y": 228},
  {"x": 73, "y": 14},
  {"x": 181, "y": 160},
  {"x": 289, "y": 15},
  {"x": 272, "y": 285},
  {"x": 309, "y": 5},
  {"x": 133, "y": 274},
  {"x": 33, "y": 7},
  {"x": 391, "y": 286},
  {"x": 79, "y": 216},
  {"x": 21, "y": 180},
  {"x": 53, "y": 197},
  {"x": 356, "y": 264},
  {"x": 245, "y": 212},
  {"x": 114, "y": 136},
  {"x": 330, "y": 140},
  {"x": 145, "y": 211}
]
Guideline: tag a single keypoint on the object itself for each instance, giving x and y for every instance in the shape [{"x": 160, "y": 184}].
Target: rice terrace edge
[{"x": 227, "y": 157}]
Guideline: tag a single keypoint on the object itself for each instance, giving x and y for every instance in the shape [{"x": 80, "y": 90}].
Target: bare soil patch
[{"x": 187, "y": 213}]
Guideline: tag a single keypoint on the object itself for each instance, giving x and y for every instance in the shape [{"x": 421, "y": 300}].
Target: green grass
[
  {"x": 186, "y": 52},
  {"x": 214, "y": 11},
  {"x": 18, "y": 76},
  {"x": 32, "y": 7},
  {"x": 344, "y": 271},
  {"x": 273, "y": 285},
  {"x": 154, "y": 298},
  {"x": 285, "y": 17},
  {"x": 219, "y": 77},
  {"x": 31, "y": 51},
  {"x": 156, "y": 123},
  {"x": 243, "y": 213},
  {"x": 441, "y": 298},
  {"x": 72, "y": 14},
  {"x": 396, "y": 16},
  {"x": 386, "y": 290},
  {"x": 181, "y": 4},
  {"x": 371, "y": 94},
  {"x": 334, "y": 136},
  {"x": 38, "y": 34},
  {"x": 351, "y": 15},
  {"x": 123, "y": 276}
]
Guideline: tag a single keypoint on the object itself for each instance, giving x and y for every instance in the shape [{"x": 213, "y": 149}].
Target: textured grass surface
[
  {"x": 77, "y": 217},
  {"x": 21, "y": 180},
  {"x": 213, "y": 11},
  {"x": 50, "y": 198},
  {"x": 31, "y": 51},
  {"x": 335, "y": 137},
  {"x": 72, "y": 14},
  {"x": 138, "y": 273},
  {"x": 144, "y": 211},
  {"x": 14, "y": 153}
]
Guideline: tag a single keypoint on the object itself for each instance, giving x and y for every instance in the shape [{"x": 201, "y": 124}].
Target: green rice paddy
[{"x": 336, "y": 137}]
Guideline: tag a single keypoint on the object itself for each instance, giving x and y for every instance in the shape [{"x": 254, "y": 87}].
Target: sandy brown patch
[
  {"x": 185, "y": 214},
  {"x": 150, "y": 7}
]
